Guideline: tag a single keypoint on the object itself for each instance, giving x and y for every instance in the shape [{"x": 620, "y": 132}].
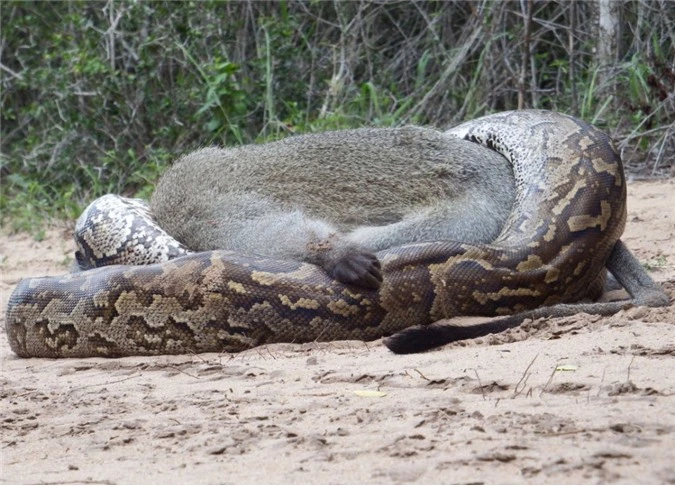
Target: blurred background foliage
[{"x": 99, "y": 97}]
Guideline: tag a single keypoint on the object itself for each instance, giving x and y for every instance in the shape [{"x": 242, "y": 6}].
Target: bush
[{"x": 100, "y": 97}]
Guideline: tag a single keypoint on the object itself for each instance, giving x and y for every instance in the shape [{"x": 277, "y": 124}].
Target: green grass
[{"x": 100, "y": 108}]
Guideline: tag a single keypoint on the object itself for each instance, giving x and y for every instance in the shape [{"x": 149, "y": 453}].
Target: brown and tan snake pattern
[{"x": 570, "y": 211}]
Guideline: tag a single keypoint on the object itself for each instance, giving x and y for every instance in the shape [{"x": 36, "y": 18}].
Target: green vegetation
[
  {"x": 100, "y": 96},
  {"x": 657, "y": 263}
]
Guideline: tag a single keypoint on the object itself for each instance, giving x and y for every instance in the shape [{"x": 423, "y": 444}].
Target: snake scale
[{"x": 569, "y": 213}]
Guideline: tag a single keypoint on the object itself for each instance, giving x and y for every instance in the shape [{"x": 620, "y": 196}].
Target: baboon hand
[{"x": 357, "y": 266}]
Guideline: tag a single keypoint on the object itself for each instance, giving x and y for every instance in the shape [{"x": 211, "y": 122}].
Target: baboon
[{"x": 335, "y": 198}]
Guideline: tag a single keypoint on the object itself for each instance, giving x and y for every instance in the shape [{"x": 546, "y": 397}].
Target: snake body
[{"x": 569, "y": 213}]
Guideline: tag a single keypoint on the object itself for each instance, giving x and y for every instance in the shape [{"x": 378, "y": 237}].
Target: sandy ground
[{"x": 573, "y": 400}]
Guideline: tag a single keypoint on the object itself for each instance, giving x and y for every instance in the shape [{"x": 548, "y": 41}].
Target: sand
[{"x": 572, "y": 400}]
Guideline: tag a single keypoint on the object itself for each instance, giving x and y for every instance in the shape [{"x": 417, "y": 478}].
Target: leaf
[
  {"x": 566, "y": 367},
  {"x": 370, "y": 393}
]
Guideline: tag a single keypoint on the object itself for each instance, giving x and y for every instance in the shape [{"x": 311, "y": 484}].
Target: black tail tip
[{"x": 416, "y": 340}]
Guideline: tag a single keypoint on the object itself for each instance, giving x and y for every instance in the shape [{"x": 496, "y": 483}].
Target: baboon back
[{"x": 364, "y": 188}]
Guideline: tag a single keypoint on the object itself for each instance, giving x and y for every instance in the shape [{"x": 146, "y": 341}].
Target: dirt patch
[{"x": 574, "y": 400}]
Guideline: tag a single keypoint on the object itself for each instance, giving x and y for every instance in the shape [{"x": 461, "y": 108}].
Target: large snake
[{"x": 567, "y": 219}]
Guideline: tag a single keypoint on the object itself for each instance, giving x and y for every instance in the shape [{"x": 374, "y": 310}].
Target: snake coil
[{"x": 569, "y": 214}]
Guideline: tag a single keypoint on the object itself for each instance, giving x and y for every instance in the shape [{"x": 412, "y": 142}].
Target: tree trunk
[{"x": 609, "y": 23}]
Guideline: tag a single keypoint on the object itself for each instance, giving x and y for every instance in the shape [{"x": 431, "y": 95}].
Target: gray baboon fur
[{"x": 334, "y": 198}]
